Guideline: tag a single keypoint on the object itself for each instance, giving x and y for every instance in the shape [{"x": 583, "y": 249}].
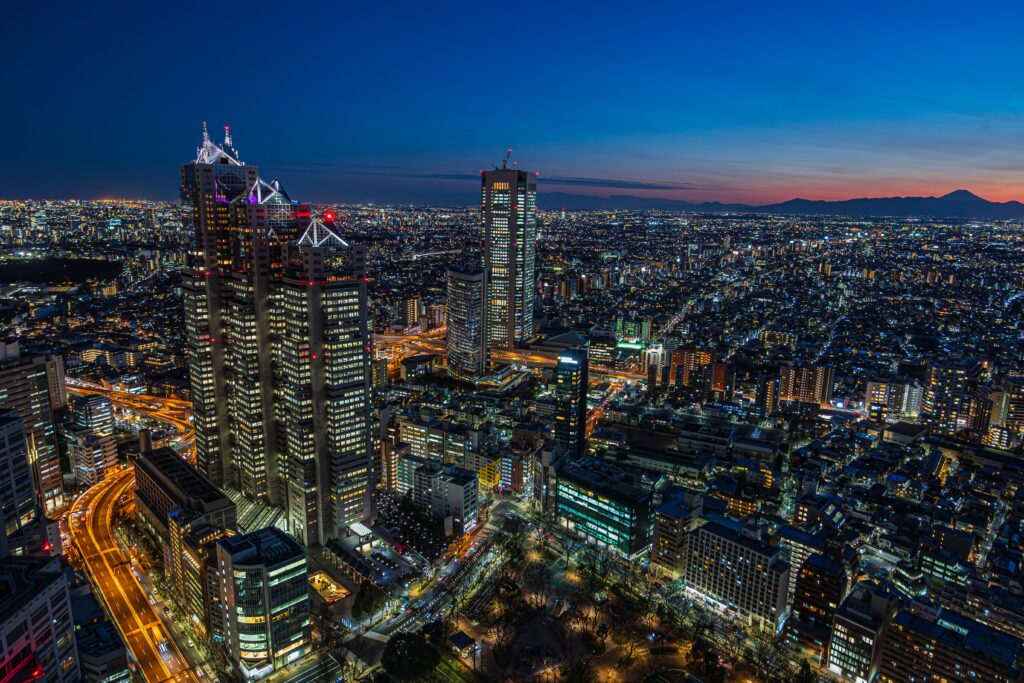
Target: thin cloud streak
[{"x": 571, "y": 181}]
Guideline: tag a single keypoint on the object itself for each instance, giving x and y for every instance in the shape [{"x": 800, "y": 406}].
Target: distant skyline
[{"x": 405, "y": 102}]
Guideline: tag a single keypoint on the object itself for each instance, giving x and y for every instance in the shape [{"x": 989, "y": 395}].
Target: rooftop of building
[
  {"x": 957, "y": 632},
  {"x": 98, "y": 639},
  {"x": 681, "y": 504},
  {"x": 865, "y": 606},
  {"x": 824, "y": 565},
  {"x": 794, "y": 534},
  {"x": 269, "y": 546},
  {"x": 739, "y": 538},
  {"x": 167, "y": 464},
  {"x": 607, "y": 478}
]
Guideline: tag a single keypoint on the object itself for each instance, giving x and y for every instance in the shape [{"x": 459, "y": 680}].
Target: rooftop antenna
[
  {"x": 227, "y": 136},
  {"x": 504, "y": 162},
  {"x": 206, "y": 136}
]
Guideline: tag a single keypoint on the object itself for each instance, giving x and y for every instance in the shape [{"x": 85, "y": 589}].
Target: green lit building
[{"x": 609, "y": 506}]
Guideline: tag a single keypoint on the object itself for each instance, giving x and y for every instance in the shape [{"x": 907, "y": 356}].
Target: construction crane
[{"x": 504, "y": 162}]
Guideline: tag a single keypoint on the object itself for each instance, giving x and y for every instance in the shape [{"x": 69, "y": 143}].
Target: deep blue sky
[{"x": 396, "y": 101}]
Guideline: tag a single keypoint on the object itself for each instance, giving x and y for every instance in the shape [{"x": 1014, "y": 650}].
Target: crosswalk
[{"x": 373, "y": 635}]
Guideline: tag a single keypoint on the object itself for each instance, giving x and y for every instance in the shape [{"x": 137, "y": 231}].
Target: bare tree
[{"x": 769, "y": 656}]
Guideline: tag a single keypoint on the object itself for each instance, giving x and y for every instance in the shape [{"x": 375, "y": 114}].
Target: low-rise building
[
  {"x": 103, "y": 654},
  {"x": 606, "y": 505},
  {"x": 164, "y": 481},
  {"x": 929, "y": 644},
  {"x": 855, "y": 644}
]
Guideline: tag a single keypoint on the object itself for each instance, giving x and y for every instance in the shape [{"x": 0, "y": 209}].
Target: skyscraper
[
  {"x": 322, "y": 356},
  {"x": 467, "y": 348},
  {"x": 24, "y": 388},
  {"x": 216, "y": 186},
  {"x": 92, "y": 448},
  {"x": 508, "y": 207},
  {"x": 17, "y": 499},
  {"x": 279, "y": 348},
  {"x": 571, "y": 378}
]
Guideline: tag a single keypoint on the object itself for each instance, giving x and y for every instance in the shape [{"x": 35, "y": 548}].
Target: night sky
[{"x": 405, "y": 102}]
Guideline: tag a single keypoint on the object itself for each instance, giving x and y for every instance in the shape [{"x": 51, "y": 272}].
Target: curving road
[
  {"x": 109, "y": 570},
  {"x": 174, "y": 412}
]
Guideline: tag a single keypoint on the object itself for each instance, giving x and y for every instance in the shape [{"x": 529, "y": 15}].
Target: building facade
[
  {"x": 806, "y": 384},
  {"x": 17, "y": 497},
  {"x": 264, "y": 592},
  {"x": 942, "y": 646},
  {"x": 467, "y": 337},
  {"x": 858, "y": 627},
  {"x": 602, "y": 503},
  {"x": 164, "y": 481},
  {"x": 25, "y": 388},
  {"x": 323, "y": 385},
  {"x": 571, "y": 385},
  {"x": 739, "y": 572},
  {"x": 36, "y": 626}
]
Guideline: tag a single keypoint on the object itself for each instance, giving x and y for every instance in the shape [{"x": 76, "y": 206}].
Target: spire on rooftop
[
  {"x": 212, "y": 153},
  {"x": 318, "y": 235}
]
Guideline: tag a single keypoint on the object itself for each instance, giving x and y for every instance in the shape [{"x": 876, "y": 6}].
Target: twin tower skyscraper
[
  {"x": 279, "y": 348},
  {"x": 279, "y": 343}
]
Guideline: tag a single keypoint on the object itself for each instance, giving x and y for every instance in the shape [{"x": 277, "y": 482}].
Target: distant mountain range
[{"x": 956, "y": 204}]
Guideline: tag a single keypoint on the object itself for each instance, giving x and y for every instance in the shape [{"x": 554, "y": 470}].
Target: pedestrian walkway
[{"x": 373, "y": 635}]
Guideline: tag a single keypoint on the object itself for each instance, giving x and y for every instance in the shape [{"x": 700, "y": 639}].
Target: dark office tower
[
  {"x": 467, "y": 346},
  {"x": 17, "y": 499},
  {"x": 508, "y": 207},
  {"x": 571, "y": 394},
  {"x": 322, "y": 358},
  {"x": 24, "y": 388},
  {"x": 213, "y": 186}
]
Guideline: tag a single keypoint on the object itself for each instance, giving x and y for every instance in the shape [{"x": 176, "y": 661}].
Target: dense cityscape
[{"x": 250, "y": 438}]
